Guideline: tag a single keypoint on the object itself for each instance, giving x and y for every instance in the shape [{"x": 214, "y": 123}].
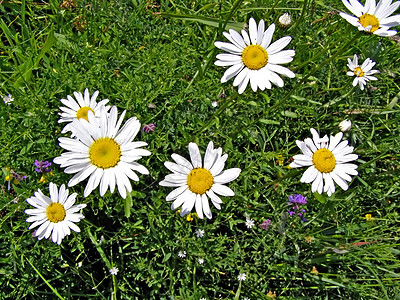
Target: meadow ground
[{"x": 155, "y": 59}]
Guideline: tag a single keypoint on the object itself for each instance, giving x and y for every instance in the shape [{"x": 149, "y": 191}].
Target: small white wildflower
[
  {"x": 246, "y": 298},
  {"x": 201, "y": 261},
  {"x": 101, "y": 239},
  {"x": 285, "y": 20},
  {"x": 182, "y": 254},
  {"x": 79, "y": 264},
  {"x": 249, "y": 223},
  {"x": 203, "y": 298},
  {"x": 242, "y": 277},
  {"x": 199, "y": 233},
  {"x": 8, "y": 99},
  {"x": 214, "y": 104},
  {"x": 345, "y": 125},
  {"x": 114, "y": 271}
]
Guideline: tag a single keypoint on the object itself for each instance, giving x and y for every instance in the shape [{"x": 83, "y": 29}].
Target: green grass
[{"x": 136, "y": 56}]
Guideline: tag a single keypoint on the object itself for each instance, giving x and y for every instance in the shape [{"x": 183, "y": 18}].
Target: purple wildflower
[
  {"x": 265, "y": 224},
  {"x": 149, "y": 128},
  {"x": 297, "y": 200},
  {"x": 17, "y": 176},
  {"x": 42, "y": 166}
]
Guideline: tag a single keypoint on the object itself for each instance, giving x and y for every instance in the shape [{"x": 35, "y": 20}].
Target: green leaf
[
  {"x": 289, "y": 114},
  {"x": 320, "y": 197},
  {"x": 205, "y": 20},
  {"x": 128, "y": 205}
]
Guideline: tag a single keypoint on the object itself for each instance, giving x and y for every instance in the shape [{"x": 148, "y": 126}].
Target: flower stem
[{"x": 303, "y": 11}]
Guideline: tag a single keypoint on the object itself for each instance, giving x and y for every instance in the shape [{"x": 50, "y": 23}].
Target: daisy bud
[
  {"x": 345, "y": 125},
  {"x": 285, "y": 20}
]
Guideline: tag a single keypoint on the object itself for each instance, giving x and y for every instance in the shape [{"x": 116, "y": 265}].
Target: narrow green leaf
[
  {"x": 204, "y": 20},
  {"x": 128, "y": 205}
]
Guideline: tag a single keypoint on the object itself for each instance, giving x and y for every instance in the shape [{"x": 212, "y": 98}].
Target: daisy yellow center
[
  {"x": 369, "y": 20},
  {"x": 359, "y": 72},
  {"x": 200, "y": 181},
  {"x": 55, "y": 212},
  {"x": 105, "y": 153},
  {"x": 82, "y": 113},
  {"x": 324, "y": 160},
  {"x": 254, "y": 57}
]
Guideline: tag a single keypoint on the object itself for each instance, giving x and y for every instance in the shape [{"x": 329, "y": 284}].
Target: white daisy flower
[
  {"x": 113, "y": 271},
  {"x": 200, "y": 261},
  {"x": 197, "y": 181},
  {"x": 79, "y": 108},
  {"x": 253, "y": 58},
  {"x": 242, "y": 277},
  {"x": 55, "y": 215},
  {"x": 182, "y": 254},
  {"x": 103, "y": 151},
  {"x": 363, "y": 73},
  {"x": 327, "y": 160},
  {"x": 373, "y": 18},
  {"x": 249, "y": 223}
]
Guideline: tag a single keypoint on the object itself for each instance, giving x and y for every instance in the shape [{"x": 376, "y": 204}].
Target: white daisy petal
[
  {"x": 309, "y": 175},
  {"x": 267, "y": 37},
  {"x": 216, "y": 201},
  {"x": 237, "y": 38},
  {"x": 222, "y": 190},
  {"x": 278, "y": 45},
  {"x": 232, "y": 72},
  {"x": 199, "y": 206},
  {"x": 195, "y": 155},
  {"x": 227, "y": 175},
  {"x": 253, "y": 31},
  {"x": 176, "y": 193},
  {"x": 206, "y": 206},
  {"x": 182, "y": 161},
  {"x": 187, "y": 206},
  {"x": 181, "y": 199}
]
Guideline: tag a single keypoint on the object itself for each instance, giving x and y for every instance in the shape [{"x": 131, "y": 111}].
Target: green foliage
[{"x": 155, "y": 60}]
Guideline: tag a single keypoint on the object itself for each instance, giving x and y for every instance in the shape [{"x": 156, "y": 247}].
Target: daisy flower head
[
  {"x": 252, "y": 58},
  {"x": 362, "y": 73},
  {"x": 197, "y": 181},
  {"x": 55, "y": 215},
  {"x": 79, "y": 108},
  {"x": 327, "y": 159},
  {"x": 105, "y": 151},
  {"x": 373, "y": 18}
]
